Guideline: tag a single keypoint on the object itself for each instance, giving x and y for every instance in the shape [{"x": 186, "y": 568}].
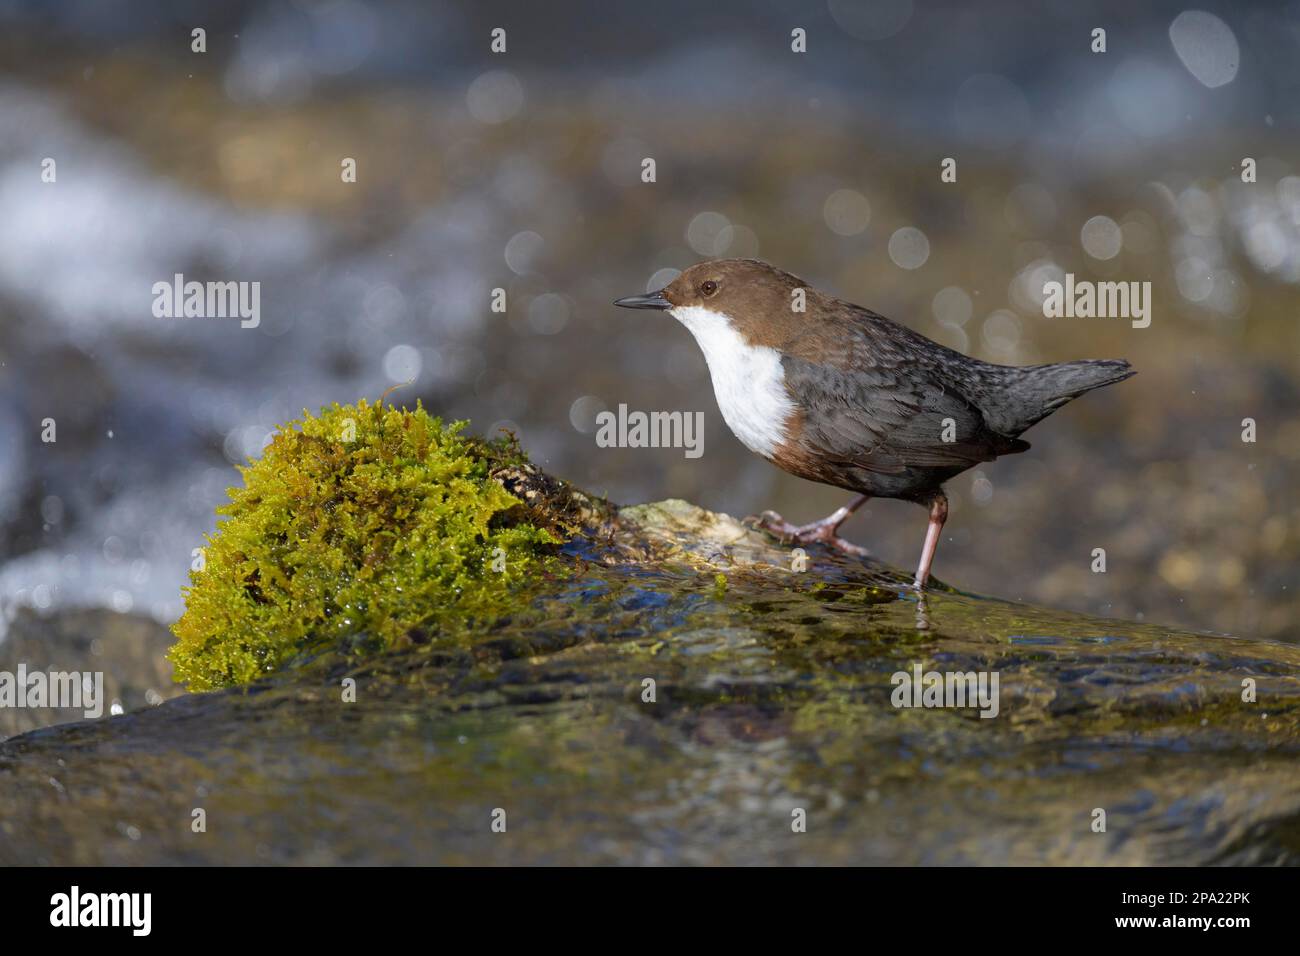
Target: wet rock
[
  {"x": 126, "y": 649},
  {"x": 687, "y": 695}
]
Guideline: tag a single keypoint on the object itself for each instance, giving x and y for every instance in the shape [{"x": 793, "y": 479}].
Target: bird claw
[
  {"x": 774, "y": 523},
  {"x": 818, "y": 532}
]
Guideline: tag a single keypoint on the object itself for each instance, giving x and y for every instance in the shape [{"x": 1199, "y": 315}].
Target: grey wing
[{"x": 888, "y": 416}]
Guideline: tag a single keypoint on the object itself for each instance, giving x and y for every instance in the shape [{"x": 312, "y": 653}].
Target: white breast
[{"x": 748, "y": 380}]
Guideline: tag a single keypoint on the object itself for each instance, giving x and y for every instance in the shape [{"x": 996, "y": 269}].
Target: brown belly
[{"x": 910, "y": 484}]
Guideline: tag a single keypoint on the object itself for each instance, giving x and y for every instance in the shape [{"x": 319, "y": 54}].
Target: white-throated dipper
[{"x": 840, "y": 395}]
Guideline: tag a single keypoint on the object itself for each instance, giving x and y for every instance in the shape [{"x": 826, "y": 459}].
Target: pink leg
[
  {"x": 938, "y": 515},
  {"x": 823, "y": 531}
]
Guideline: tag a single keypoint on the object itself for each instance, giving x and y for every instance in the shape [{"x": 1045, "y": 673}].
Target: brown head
[{"x": 759, "y": 301}]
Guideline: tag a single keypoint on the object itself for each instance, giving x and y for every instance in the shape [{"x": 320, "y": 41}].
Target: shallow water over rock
[{"x": 772, "y": 695}]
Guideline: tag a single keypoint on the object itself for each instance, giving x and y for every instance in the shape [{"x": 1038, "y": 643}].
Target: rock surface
[
  {"x": 772, "y": 695},
  {"x": 127, "y": 649}
]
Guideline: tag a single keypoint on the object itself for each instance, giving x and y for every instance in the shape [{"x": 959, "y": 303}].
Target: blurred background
[{"x": 522, "y": 170}]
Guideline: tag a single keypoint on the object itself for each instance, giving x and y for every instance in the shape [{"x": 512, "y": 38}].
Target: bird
[{"x": 837, "y": 394}]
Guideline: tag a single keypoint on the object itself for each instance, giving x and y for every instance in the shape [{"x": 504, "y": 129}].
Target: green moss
[{"x": 362, "y": 520}]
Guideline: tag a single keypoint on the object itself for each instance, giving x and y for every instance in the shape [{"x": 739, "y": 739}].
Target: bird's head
[{"x": 748, "y": 294}]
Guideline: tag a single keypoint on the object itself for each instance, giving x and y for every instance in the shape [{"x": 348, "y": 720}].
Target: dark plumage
[
  {"x": 876, "y": 408},
  {"x": 894, "y": 415}
]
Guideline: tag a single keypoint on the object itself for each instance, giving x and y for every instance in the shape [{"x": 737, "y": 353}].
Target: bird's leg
[
  {"x": 938, "y": 515},
  {"x": 823, "y": 531}
]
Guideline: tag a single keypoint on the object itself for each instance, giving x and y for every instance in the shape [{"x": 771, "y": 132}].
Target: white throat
[{"x": 748, "y": 380}]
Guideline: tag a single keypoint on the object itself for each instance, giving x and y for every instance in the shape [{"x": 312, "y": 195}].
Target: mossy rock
[
  {"x": 363, "y": 523},
  {"x": 770, "y": 694}
]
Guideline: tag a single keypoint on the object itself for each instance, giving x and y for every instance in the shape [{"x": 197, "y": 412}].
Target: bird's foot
[{"x": 818, "y": 532}]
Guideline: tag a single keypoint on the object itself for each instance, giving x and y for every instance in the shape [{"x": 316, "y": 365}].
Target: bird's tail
[{"x": 1035, "y": 391}]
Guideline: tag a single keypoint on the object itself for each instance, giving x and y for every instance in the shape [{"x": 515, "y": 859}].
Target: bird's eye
[{"x": 709, "y": 287}]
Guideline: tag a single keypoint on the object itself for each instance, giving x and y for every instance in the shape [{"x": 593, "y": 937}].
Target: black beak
[{"x": 654, "y": 300}]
